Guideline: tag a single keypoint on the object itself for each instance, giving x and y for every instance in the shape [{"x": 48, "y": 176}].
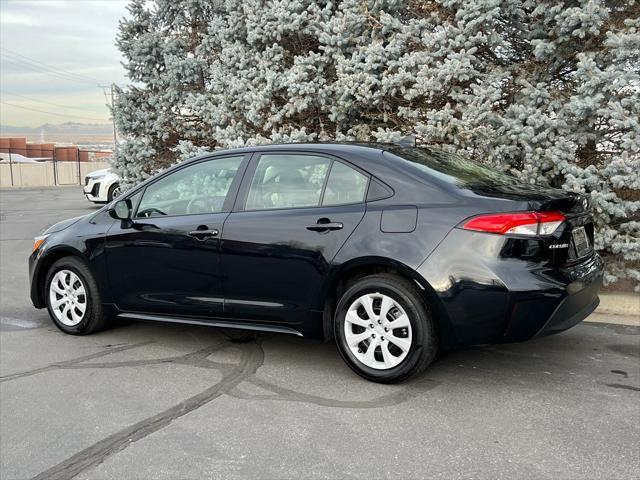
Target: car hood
[
  {"x": 99, "y": 173},
  {"x": 57, "y": 227}
]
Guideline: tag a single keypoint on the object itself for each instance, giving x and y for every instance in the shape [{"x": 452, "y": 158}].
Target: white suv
[{"x": 101, "y": 186}]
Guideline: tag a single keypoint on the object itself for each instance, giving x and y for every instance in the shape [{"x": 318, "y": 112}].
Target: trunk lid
[
  {"x": 573, "y": 241},
  {"x": 575, "y": 238}
]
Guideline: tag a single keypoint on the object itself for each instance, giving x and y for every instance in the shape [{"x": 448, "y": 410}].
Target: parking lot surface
[{"x": 141, "y": 400}]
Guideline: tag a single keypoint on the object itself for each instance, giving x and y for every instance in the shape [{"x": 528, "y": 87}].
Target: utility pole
[{"x": 109, "y": 95}]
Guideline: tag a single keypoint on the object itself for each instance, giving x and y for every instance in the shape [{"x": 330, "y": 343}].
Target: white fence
[{"x": 46, "y": 174}]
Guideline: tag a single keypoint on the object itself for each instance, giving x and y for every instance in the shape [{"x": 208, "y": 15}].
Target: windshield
[{"x": 453, "y": 168}]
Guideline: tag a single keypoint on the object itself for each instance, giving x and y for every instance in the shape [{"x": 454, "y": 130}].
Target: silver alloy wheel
[
  {"x": 116, "y": 192},
  {"x": 68, "y": 297},
  {"x": 378, "y": 331}
]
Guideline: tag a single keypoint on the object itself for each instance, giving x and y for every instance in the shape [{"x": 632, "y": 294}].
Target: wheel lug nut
[
  {"x": 371, "y": 325},
  {"x": 379, "y": 322},
  {"x": 386, "y": 329},
  {"x": 373, "y": 335},
  {"x": 382, "y": 338}
]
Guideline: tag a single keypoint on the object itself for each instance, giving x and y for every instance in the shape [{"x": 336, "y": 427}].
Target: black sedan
[{"x": 392, "y": 251}]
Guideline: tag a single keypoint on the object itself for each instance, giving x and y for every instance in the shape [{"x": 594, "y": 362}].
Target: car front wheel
[
  {"x": 383, "y": 329},
  {"x": 72, "y": 297},
  {"x": 114, "y": 192}
]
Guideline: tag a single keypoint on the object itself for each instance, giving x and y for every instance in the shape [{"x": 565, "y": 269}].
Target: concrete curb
[
  {"x": 630, "y": 320},
  {"x": 627, "y": 304}
]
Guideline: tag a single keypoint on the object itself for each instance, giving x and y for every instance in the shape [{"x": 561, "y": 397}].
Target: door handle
[
  {"x": 204, "y": 234},
  {"x": 325, "y": 226}
]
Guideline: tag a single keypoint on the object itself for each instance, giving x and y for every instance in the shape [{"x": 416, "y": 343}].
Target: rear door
[
  {"x": 293, "y": 213},
  {"x": 166, "y": 261}
]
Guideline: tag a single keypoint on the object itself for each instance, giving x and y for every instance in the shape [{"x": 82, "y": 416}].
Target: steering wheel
[
  {"x": 200, "y": 201},
  {"x": 148, "y": 211}
]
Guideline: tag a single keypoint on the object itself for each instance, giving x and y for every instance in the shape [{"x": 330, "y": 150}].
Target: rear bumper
[
  {"x": 541, "y": 312},
  {"x": 572, "y": 310},
  {"x": 486, "y": 296}
]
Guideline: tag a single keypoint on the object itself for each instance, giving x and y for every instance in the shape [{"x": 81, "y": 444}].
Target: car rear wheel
[
  {"x": 72, "y": 297},
  {"x": 383, "y": 329}
]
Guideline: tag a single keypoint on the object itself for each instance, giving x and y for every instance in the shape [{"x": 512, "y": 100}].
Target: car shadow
[
  {"x": 286, "y": 368},
  {"x": 553, "y": 358}
]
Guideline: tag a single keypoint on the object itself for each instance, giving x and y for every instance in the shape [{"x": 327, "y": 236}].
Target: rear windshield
[{"x": 453, "y": 168}]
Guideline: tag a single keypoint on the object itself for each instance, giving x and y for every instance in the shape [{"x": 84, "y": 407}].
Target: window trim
[
  {"x": 229, "y": 198},
  {"x": 243, "y": 193},
  {"x": 368, "y": 176}
]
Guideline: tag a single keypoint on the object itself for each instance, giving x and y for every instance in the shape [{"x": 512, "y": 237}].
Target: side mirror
[{"x": 121, "y": 210}]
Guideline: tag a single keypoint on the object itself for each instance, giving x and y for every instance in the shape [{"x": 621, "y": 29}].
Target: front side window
[
  {"x": 196, "y": 189},
  {"x": 287, "y": 181},
  {"x": 345, "y": 185}
]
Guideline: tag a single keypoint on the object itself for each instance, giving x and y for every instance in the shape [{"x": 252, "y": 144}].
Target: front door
[
  {"x": 167, "y": 260},
  {"x": 295, "y": 212}
]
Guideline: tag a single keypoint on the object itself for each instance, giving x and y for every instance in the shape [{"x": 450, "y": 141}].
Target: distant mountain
[
  {"x": 62, "y": 128},
  {"x": 98, "y": 135}
]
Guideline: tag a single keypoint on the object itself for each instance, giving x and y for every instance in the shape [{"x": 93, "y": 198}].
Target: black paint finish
[
  {"x": 157, "y": 267},
  {"x": 399, "y": 219},
  {"x": 268, "y": 270},
  {"x": 273, "y": 264}
]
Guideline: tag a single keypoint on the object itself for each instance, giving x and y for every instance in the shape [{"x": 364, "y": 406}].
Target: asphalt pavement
[{"x": 143, "y": 401}]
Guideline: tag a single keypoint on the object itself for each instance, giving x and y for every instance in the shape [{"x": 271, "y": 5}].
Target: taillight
[{"x": 520, "y": 223}]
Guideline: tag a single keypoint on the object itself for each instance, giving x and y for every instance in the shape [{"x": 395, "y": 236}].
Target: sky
[{"x": 53, "y": 56}]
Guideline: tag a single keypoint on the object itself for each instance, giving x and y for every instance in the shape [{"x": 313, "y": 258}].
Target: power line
[
  {"x": 54, "y": 113},
  {"x": 38, "y": 63},
  {"x": 42, "y": 66},
  {"x": 43, "y": 70},
  {"x": 44, "y": 102}
]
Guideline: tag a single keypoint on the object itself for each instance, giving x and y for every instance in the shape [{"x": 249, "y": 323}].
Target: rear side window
[
  {"x": 287, "y": 181},
  {"x": 345, "y": 185},
  {"x": 453, "y": 168}
]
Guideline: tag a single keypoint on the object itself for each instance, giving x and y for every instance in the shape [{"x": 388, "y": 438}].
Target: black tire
[
  {"x": 94, "y": 318},
  {"x": 111, "y": 193},
  {"x": 424, "y": 344}
]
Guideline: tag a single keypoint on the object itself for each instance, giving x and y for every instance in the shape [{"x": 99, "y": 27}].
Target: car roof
[
  {"x": 365, "y": 155},
  {"x": 311, "y": 146},
  {"x": 357, "y": 152}
]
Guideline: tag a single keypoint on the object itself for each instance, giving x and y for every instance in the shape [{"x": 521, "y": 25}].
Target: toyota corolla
[{"x": 393, "y": 252}]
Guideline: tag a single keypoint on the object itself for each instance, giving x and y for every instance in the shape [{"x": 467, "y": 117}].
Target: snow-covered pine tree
[
  {"x": 164, "y": 65},
  {"x": 548, "y": 90}
]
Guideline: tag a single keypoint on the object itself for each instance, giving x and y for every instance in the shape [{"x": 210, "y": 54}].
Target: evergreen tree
[{"x": 548, "y": 90}]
